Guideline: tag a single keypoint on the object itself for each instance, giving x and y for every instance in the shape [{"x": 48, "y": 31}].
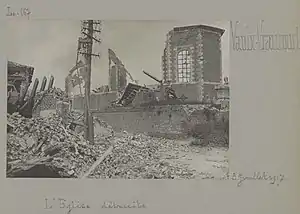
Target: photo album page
[{"x": 150, "y": 107}]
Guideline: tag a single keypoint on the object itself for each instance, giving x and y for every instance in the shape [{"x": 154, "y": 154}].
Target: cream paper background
[{"x": 264, "y": 134}]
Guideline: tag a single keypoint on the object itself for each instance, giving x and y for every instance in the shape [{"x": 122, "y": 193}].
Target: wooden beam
[{"x": 93, "y": 167}]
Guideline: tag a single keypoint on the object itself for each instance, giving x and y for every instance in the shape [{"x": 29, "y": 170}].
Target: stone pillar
[
  {"x": 193, "y": 66},
  {"x": 168, "y": 57},
  {"x": 198, "y": 75},
  {"x": 164, "y": 65},
  {"x": 174, "y": 70},
  {"x": 220, "y": 49},
  {"x": 162, "y": 92}
]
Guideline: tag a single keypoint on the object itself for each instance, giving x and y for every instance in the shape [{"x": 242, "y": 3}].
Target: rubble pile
[
  {"x": 189, "y": 109},
  {"x": 16, "y": 147},
  {"x": 40, "y": 137},
  {"x": 138, "y": 156},
  {"x": 217, "y": 139},
  {"x": 45, "y": 141},
  {"x": 56, "y": 93},
  {"x": 207, "y": 125},
  {"x": 74, "y": 116},
  {"x": 47, "y": 100}
]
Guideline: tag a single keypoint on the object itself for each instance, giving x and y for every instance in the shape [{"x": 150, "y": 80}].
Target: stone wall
[
  {"x": 223, "y": 96},
  {"x": 204, "y": 46},
  {"x": 160, "y": 121},
  {"x": 212, "y": 70},
  {"x": 191, "y": 90},
  {"x": 157, "y": 120},
  {"x": 47, "y": 104},
  {"x": 78, "y": 103},
  {"x": 209, "y": 89},
  {"x": 144, "y": 97},
  {"x": 179, "y": 40},
  {"x": 98, "y": 101}
]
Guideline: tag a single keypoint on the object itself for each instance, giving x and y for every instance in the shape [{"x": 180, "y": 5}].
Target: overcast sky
[{"x": 50, "y": 47}]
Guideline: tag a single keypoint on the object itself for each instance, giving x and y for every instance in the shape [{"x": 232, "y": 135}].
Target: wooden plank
[{"x": 93, "y": 167}]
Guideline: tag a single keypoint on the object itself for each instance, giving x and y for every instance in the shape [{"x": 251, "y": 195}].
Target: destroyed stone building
[
  {"x": 191, "y": 69},
  {"x": 20, "y": 76},
  {"x": 223, "y": 95},
  {"x": 131, "y": 124},
  {"x": 191, "y": 64},
  {"x": 117, "y": 72},
  {"x": 117, "y": 78},
  {"x": 192, "y": 54}
]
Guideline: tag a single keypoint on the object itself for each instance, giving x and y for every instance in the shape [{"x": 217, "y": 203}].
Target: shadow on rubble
[{"x": 36, "y": 171}]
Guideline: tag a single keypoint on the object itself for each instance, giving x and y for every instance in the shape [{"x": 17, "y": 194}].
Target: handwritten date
[
  {"x": 240, "y": 178},
  {"x": 25, "y": 12}
]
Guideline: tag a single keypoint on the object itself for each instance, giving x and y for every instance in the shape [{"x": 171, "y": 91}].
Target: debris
[
  {"x": 98, "y": 162},
  {"x": 140, "y": 158},
  {"x": 49, "y": 138},
  {"x": 53, "y": 147}
]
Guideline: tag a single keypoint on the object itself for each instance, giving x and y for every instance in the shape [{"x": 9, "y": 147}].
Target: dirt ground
[{"x": 211, "y": 161}]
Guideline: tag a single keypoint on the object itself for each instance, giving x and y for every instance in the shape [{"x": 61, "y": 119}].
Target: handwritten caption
[
  {"x": 240, "y": 178},
  {"x": 71, "y": 205},
  {"x": 21, "y": 12},
  {"x": 262, "y": 41}
]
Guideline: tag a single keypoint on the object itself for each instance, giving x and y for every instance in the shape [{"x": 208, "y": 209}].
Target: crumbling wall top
[{"x": 204, "y": 27}]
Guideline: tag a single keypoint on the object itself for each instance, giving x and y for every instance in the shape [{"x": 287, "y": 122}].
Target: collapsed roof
[
  {"x": 15, "y": 69},
  {"x": 130, "y": 92}
]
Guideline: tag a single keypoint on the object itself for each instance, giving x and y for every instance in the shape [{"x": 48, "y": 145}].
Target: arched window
[{"x": 184, "y": 66}]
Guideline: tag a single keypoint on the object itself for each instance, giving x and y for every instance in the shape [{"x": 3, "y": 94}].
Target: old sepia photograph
[{"x": 101, "y": 99}]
